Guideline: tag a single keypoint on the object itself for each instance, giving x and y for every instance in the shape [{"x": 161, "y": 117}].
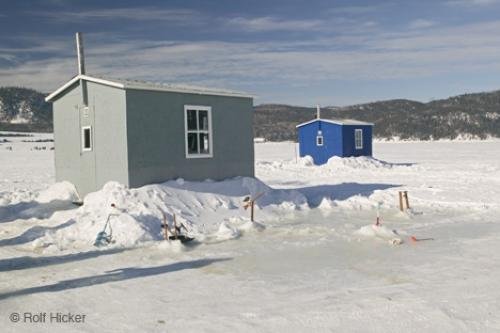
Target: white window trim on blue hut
[
  {"x": 198, "y": 132},
  {"x": 358, "y": 138},
  {"x": 86, "y": 146},
  {"x": 319, "y": 138}
]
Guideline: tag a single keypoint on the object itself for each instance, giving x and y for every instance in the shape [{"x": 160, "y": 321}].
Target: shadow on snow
[
  {"x": 26, "y": 262},
  {"x": 33, "y": 209},
  {"x": 116, "y": 275},
  {"x": 33, "y": 233},
  {"x": 315, "y": 194}
]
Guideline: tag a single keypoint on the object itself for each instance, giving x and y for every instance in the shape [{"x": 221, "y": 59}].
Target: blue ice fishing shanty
[{"x": 324, "y": 138}]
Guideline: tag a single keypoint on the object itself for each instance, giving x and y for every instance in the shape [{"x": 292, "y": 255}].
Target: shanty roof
[
  {"x": 337, "y": 122},
  {"x": 143, "y": 85}
]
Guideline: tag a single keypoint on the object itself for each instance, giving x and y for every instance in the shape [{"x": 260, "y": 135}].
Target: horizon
[
  {"x": 322, "y": 106},
  {"x": 333, "y": 54}
]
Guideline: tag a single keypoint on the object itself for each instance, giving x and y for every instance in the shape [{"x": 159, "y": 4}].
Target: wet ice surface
[
  {"x": 311, "y": 272},
  {"x": 306, "y": 271}
]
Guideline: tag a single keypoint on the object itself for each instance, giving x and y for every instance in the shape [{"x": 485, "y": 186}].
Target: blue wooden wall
[
  {"x": 349, "y": 147},
  {"x": 338, "y": 140}
]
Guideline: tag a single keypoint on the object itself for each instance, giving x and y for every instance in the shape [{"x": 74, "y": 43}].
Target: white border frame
[
  {"x": 91, "y": 139},
  {"x": 322, "y": 140},
  {"x": 210, "y": 130},
  {"x": 358, "y": 130}
]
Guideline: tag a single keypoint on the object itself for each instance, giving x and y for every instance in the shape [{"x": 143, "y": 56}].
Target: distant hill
[
  {"x": 466, "y": 116},
  {"x": 24, "y": 109},
  {"x": 469, "y": 115}
]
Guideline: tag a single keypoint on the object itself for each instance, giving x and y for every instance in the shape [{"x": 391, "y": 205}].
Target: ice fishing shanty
[
  {"x": 324, "y": 138},
  {"x": 139, "y": 133}
]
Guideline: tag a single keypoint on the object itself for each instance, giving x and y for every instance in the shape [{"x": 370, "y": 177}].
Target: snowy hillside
[
  {"x": 24, "y": 109},
  {"x": 474, "y": 116},
  {"x": 312, "y": 261},
  {"x": 469, "y": 116}
]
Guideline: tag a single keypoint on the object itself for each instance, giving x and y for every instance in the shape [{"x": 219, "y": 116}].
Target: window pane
[
  {"x": 191, "y": 120},
  {"x": 86, "y": 138},
  {"x": 358, "y": 138},
  {"x": 192, "y": 143},
  {"x": 204, "y": 144},
  {"x": 203, "y": 120}
]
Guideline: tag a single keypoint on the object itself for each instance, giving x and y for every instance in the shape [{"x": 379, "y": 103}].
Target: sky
[{"x": 292, "y": 52}]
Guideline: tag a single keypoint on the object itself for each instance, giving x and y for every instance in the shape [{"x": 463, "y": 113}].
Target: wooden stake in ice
[
  {"x": 176, "y": 229},
  {"x": 404, "y": 202},
  {"x": 377, "y": 223},
  {"x": 405, "y": 194},
  {"x": 400, "y": 194},
  {"x": 176, "y": 234},
  {"x": 250, "y": 202},
  {"x": 165, "y": 226}
]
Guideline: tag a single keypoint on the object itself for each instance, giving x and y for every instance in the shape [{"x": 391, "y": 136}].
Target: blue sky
[{"x": 292, "y": 52}]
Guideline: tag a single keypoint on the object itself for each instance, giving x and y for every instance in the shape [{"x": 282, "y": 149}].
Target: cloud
[
  {"x": 179, "y": 16},
  {"x": 39, "y": 45},
  {"x": 472, "y": 3},
  {"x": 7, "y": 57},
  {"x": 332, "y": 25},
  {"x": 369, "y": 24},
  {"x": 255, "y": 66},
  {"x": 358, "y": 10},
  {"x": 421, "y": 24},
  {"x": 269, "y": 23}
]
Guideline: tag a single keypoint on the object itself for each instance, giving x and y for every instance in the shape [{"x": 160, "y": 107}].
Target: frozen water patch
[
  {"x": 226, "y": 232},
  {"x": 380, "y": 232}
]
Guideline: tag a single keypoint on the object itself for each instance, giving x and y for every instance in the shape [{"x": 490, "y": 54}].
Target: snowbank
[
  {"x": 32, "y": 204},
  {"x": 336, "y": 163},
  {"x": 207, "y": 209},
  {"x": 306, "y": 161},
  {"x": 63, "y": 191},
  {"x": 361, "y": 162}
]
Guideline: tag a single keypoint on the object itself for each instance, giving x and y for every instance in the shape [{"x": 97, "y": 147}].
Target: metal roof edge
[
  {"x": 333, "y": 122},
  {"x": 188, "y": 91},
  {"x": 110, "y": 82},
  {"x": 61, "y": 88},
  {"x": 78, "y": 78}
]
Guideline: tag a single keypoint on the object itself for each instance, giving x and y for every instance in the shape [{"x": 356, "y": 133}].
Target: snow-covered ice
[{"x": 313, "y": 260}]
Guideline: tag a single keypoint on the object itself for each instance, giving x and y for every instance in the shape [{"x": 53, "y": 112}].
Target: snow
[
  {"x": 313, "y": 259},
  {"x": 64, "y": 191},
  {"x": 138, "y": 213},
  {"x": 380, "y": 232}
]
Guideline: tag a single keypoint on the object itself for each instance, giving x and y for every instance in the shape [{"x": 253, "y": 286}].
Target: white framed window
[
  {"x": 198, "y": 131},
  {"x": 86, "y": 138},
  {"x": 358, "y": 138},
  {"x": 319, "y": 139}
]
